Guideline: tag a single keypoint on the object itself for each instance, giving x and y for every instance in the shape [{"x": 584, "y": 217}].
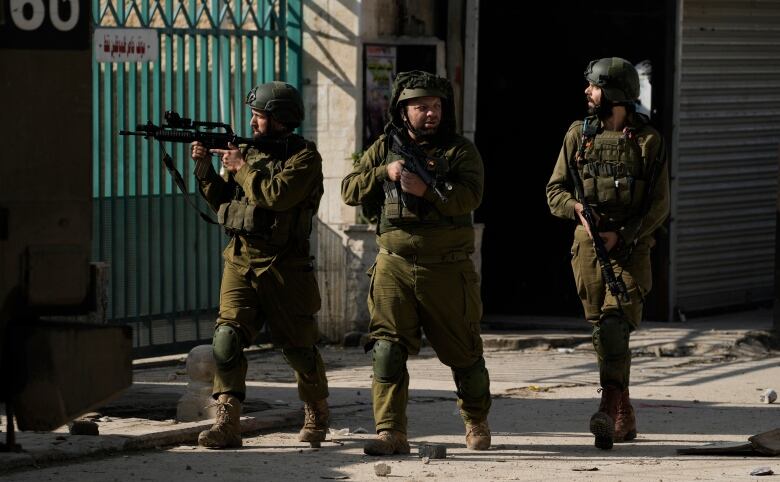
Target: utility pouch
[
  {"x": 623, "y": 191},
  {"x": 392, "y": 205},
  {"x": 605, "y": 186},
  {"x": 231, "y": 215},
  {"x": 395, "y": 209},
  {"x": 589, "y": 186}
]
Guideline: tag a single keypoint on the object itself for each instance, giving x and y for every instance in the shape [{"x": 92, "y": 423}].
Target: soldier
[
  {"x": 423, "y": 277},
  {"x": 265, "y": 201},
  {"x": 620, "y": 161}
]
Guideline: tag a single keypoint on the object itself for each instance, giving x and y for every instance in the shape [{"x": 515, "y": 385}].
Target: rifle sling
[{"x": 179, "y": 181}]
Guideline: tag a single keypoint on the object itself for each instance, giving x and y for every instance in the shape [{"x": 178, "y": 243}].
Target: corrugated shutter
[{"x": 725, "y": 157}]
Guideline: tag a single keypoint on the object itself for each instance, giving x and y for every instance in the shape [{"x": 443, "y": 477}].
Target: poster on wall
[{"x": 380, "y": 71}]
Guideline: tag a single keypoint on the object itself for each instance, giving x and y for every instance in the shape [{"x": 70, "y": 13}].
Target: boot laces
[
  {"x": 313, "y": 414},
  {"x": 223, "y": 410},
  {"x": 478, "y": 429}
]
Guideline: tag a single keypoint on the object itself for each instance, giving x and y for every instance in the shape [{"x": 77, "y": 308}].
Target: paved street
[{"x": 692, "y": 384}]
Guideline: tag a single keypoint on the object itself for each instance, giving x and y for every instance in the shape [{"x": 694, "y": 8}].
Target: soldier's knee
[
  {"x": 389, "y": 361},
  {"x": 610, "y": 336},
  {"x": 302, "y": 360},
  {"x": 473, "y": 382},
  {"x": 227, "y": 347}
]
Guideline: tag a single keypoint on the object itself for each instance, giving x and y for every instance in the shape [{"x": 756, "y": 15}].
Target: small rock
[
  {"x": 762, "y": 471},
  {"x": 83, "y": 427},
  {"x": 382, "y": 469},
  {"x": 769, "y": 396},
  {"x": 433, "y": 451}
]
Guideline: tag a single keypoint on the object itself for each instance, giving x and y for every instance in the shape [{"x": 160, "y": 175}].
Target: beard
[
  {"x": 602, "y": 111},
  {"x": 423, "y": 132}
]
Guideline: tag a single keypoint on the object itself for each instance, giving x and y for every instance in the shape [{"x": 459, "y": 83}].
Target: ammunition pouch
[{"x": 241, "y": 217}]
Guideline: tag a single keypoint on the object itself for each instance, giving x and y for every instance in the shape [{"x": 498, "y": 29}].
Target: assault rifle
[
  {"x": 183, "y": 129},
  {"x": 416, "y": 161},
  {"x": 615, "y": 283}
]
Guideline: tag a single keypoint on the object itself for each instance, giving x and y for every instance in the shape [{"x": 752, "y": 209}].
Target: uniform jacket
[
  {"x": 267, "y": 206},
  {"x": 616, "y": 166}
]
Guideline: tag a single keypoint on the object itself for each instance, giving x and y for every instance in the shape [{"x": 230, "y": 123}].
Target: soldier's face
[
  {"x": 262, "y": 124},
  {"x": 593, "y": 96},
  {"x": 424, "y": 113}
]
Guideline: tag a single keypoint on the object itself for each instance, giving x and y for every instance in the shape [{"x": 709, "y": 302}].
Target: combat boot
[
  {"x": 602, "y": 423},
  {"x": 226, "y": 431},
  {"x": 315, "y": 424},
  {"x": 387, "y": 442},
  {"x": 478, "y": 435},
  {"x": 625, "y": 425}
]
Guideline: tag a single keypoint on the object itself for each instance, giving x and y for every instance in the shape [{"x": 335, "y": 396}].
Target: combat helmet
[
  {"x": 418, "y": 83},
  {"x": 616, "y": 77},
  {"x": 279, "y": 99}
]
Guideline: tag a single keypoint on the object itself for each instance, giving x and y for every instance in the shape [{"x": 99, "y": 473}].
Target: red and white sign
[{"x": 126, "y": 45}]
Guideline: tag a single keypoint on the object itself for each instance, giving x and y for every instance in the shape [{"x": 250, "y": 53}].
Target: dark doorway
[{"x": 530, "y": 90}]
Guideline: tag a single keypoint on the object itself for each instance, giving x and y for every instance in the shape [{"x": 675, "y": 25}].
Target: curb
[
  {"x": 185, "y": 433},
  {"x": 73, "y": 447}
]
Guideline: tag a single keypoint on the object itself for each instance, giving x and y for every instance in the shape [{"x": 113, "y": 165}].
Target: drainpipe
[{"x": 470, "y": 70}]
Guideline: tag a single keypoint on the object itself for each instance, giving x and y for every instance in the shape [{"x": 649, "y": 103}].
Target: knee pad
[
  {"x": 302, "y": 360},
  {"x": 610, "y": 337},
  {"x": 389, "y": 361},
  {"x": 227, "y": 347},
  {"x": 473, "y": 382}
]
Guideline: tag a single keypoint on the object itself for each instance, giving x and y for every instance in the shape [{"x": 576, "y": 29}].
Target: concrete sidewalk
[{"x": 141, "y": 418}]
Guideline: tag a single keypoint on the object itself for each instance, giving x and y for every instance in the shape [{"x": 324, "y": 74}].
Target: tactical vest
[
  {"x": 272, "y": 229},
  {"x": 401, "y": 209},
  {"x": 613, "y": 174}
]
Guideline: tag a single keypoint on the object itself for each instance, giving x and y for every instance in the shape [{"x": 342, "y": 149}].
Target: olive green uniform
[
  {"x": 614, "y": 176},
  {"x": 423, "y": 277},
  {"x": 266, "y": 208}
]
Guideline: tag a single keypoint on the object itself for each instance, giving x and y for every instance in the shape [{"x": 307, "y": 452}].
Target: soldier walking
[
  {"x": 423, "y": 278},
  {"x": 618, "y": 159}
]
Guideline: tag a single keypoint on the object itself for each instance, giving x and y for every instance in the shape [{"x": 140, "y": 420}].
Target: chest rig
[
  {"x": 241, "y": 216},
  {"x": 403, "y": 209},
  {"x": 613, "y": 174}
]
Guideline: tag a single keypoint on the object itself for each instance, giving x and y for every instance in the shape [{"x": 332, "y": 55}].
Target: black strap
[{"x": 179, "y": 181}]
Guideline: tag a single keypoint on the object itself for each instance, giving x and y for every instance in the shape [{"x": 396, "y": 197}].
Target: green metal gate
[{"x": 165, "y": 262}]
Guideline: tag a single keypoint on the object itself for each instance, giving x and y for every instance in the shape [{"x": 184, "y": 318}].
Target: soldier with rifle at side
[
  {"x": 424, "y": 180},
  {"x": 611, "y": 175}
]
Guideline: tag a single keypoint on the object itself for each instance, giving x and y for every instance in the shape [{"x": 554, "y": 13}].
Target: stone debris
[
  {"x": 382, "y": 469},
  {"x": 762, "y": 471},
  {"x": 769, "y": 396},
  {"x": 432, "y": 451},
  {"x": 83, "y": 427}
]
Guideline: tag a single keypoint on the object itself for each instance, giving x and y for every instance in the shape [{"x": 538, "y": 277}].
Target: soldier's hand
[
  {"x": 412, "y": 184},
  {"x": 232, "y": 159},
  {"x": 578, "y": 209},
  {"x": 394, "y": 170},
  {"x": 610, "y": 239},
  {"x": 198, "y": 152}
]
